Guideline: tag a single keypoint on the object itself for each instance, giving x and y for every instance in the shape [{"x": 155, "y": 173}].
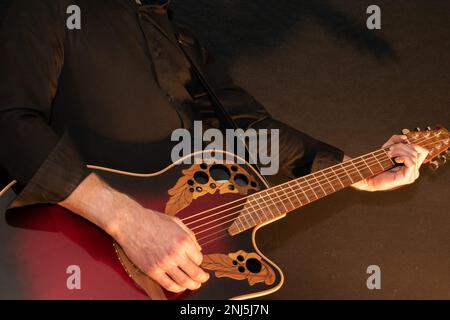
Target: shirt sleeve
[
  {"x": 45, "y": 164},
  {"x": 299, "y": 153}
]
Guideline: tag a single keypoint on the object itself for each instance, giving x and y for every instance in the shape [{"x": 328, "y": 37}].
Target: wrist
[
  {"x": 102, "y": 205},
  {"x": 124, "y": 213}
]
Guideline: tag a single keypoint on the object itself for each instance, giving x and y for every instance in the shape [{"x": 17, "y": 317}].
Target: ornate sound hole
[
  {"x": 201, "y": 177},
  {"x": 220, "y": 173},
  {"x": 241, "y": 180},
  {"x": 209, "y": 177},
  {"x": 253, "y": 265}
]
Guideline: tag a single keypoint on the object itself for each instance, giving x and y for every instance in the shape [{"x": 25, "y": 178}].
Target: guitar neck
[{"x": 279, "y": 200}]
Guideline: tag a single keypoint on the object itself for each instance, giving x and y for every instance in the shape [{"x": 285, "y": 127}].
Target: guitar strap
[{"x": 225, "y": 119}]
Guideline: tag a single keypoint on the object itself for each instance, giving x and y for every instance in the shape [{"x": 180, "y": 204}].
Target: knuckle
[
  {"x": 165, "y": 262},
  {"x": 182, "y": 239},
  {"x": 173, "y": 253},
  {"x": 153, "y": 270},
  {"x": 196, "y": 273}
]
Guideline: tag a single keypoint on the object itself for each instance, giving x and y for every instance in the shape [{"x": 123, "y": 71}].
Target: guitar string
[
  {"x": 220, "y": 231},
  {"x": 239, "y": 212},
  {"x": 243, "y": 198},
  {"x": 318, "y": 181},
  {"x": 231, "y": 220},
  {"x": 224, "y": 234},
  {"x": 280, "y": 185},
  {"x": 298, "y": 185},
  {"x": 278, "y": 201},
  {"x": 294, "y": 189}
]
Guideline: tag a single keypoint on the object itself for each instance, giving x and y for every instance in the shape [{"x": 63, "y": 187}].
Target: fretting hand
[{"x": 410, "y": 155}]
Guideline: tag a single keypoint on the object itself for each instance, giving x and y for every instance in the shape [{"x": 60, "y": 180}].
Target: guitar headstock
[{"x": 437, "y": 141}]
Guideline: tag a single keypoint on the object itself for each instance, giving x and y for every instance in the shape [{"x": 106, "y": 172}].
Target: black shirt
[{"x": 109, "y": 93}]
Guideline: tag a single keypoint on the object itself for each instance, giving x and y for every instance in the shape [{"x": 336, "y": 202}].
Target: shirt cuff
[{"x": 59, "y": 175}]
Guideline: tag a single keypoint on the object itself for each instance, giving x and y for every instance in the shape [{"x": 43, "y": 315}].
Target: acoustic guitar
[{"x": 223, "y": 202}]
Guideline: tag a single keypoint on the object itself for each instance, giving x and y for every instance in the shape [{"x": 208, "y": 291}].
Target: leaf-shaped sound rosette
[
  {"x": 234, "y": 266},
  {"x": 187, "y": 188}
]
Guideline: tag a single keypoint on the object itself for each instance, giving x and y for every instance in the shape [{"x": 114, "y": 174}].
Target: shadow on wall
[
  {"x": 3, "y": 5},
  {"x": 234, "y": 27}
]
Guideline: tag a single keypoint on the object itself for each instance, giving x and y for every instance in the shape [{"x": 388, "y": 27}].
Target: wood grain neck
[{"x": 284, "y": 198}]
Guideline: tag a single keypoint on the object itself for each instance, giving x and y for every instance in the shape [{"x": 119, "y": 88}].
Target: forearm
[{"x": 102, "y": 205}]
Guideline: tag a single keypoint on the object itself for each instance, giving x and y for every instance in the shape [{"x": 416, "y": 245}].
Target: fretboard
[{"x": 275, "y": 202}]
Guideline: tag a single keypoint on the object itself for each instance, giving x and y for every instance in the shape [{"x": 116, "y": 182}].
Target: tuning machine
[
  {"x": 434, "y": 165},
  {"x": 439, "y": 161}
]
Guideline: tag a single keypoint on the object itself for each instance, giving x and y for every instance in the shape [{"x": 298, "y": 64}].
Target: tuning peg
[
  {"x": 434, "y": 165},
  {"x": 442, "y": 159},
  {"x": 429, "y": 128},
  {"x": 417, "y": 129},
  {"x": 405, "y": 131}
]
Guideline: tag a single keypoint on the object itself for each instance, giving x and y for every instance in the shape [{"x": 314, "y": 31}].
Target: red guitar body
[{"x": 48, "y": 239}]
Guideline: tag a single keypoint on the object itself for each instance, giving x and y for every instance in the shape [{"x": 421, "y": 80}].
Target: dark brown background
[{"x": 315, "y": 66}]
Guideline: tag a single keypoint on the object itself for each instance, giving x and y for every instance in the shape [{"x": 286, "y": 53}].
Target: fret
[
  {"x": 295, "y": 192},
  {"x": 367, "y": 165},
  {"x": 328, "y": 180},
  {"x": 277, "y": 192},
  {"x": 389, "y": 159},
  {"x": 353, "y": 171},
  {"x": 243, "y": 215},
  {"x": 263, "y": 210},
  {"x": 288, "y": 195},
  {"x": 350, "y": 182},
  {"x": 268, "y": 206},
  {"x": 250, "y": 215},
  {"x": 337, "y": 177},
  {"x": 303, "y": 190},
  {"x": 271, "y": 199},
  {"x": 364, "y": 168},
  {"x": 357, "y": 170},
  {"x": 320, "y": 185},
  {"x": 311, "y": 189},
  {"x": 236, "y": 223},
  {"x": 378, "y": 163}
]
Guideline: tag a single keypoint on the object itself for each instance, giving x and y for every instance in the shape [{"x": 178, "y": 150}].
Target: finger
[
  {"x": 194, "y": 271},
  {"x": 189, "y": 231},
  {"x": 404, "y": 176},
  {"x": 182, "y": 279},
  {"x": 194, "y": 254},
  {"x": 423, "y": 153},
  {"x": 406, "y": 160},
  {"x": 166, "y": 282},
  {"x": 402, "y": 150},
  {"x": 395, "y": 139}
]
